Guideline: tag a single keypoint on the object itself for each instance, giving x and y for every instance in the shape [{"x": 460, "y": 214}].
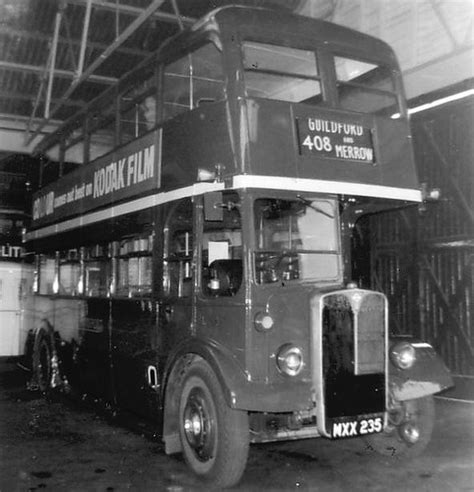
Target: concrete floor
[{"x": 63, "y": 446}]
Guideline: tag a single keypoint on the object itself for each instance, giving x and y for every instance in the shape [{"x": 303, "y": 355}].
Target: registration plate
[{"x": 356, "y": 427}]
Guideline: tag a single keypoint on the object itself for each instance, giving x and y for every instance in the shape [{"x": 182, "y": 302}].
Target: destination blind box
[{"x": 334, "y": 139}]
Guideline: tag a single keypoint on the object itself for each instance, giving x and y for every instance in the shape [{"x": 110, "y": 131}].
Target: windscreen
[
  {"x": 296, "y": 239},
  {"x": 365, "y": 87},
  {"x": 281, "y": 73},
  {"x": 294, "y": 75}
]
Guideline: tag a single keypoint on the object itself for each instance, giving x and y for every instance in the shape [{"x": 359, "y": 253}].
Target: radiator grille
[
  {"x": 369, "y": 346},
  {"x": 353, "y": 344}
]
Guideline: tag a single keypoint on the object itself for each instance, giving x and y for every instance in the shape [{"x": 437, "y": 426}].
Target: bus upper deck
[{"x": 252, "y": 99}]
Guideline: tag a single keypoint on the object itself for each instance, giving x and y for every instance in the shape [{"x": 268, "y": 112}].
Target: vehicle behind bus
[
  {"x": 197, "y": 268},
  {"x": 15, "y": 274}
]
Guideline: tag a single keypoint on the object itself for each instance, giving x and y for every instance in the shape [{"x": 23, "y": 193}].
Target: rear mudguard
[
  {"x": 46, "y": 331},
  {"x": 428, "y": 376}
]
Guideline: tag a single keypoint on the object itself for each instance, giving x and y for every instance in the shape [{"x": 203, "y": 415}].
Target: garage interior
[{"x": 56, "y": 55}]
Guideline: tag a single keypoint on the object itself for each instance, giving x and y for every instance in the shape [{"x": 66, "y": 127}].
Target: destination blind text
[{"x": 335, "y": 139}]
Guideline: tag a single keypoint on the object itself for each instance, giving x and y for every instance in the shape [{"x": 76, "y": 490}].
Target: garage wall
[{"x": 423, "y": 257}]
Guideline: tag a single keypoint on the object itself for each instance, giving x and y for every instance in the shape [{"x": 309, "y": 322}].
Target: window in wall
[
  {"x": 10, "y": 226},
  {"x": 365, "y": 87},
  {"x": 134, "y": 266},
  {"x": 282, "y": 73},
  {"x": 222, "y": 250},
  {"x": 177, "y": 266},
  {"x": 193, "y": 80},
  {"x": 97, "y": 270}
]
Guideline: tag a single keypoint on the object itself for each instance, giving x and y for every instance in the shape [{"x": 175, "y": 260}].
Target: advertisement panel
[{"x": 126, "y": 172}]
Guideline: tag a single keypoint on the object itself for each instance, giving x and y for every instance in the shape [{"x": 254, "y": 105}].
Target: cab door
[{"x": 220, "y": 303}]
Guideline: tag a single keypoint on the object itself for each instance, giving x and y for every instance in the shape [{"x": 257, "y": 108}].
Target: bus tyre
[
  {"x": 408, "y": 431},
  {"x": 215, "y": 438},
  {"x": 43, "y": 362}
]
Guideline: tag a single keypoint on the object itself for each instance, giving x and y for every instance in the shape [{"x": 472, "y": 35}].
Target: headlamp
[
  {"x": 403, "y": 355},
  {"x": 290, "y": 360}
]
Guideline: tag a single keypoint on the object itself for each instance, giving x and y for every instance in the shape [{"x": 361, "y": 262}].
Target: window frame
[{"x": 318, "y": 78}]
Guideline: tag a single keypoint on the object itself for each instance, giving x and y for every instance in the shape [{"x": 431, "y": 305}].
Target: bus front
[{"x": 324, "y": 139}]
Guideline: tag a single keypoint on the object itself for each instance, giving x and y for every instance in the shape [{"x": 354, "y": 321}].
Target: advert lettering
[
  {"x": 43, "y": 206},
  {"x": 8, "y": 251},
  {"x": 130, "y": 170}
]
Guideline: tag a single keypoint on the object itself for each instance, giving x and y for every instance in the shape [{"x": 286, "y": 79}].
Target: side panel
[
  {"x": 15, "y": 281},
  {"x": 92, "y": 364},
  {"x": 135, "y": 340}
]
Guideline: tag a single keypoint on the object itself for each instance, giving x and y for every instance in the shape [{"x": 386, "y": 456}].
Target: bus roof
[{"x": 279, "y": 27}]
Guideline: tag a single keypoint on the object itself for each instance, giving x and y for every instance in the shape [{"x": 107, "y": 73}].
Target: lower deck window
[
  {"x": 47, "y": 274},
  {"x": 133, "y": 268}
]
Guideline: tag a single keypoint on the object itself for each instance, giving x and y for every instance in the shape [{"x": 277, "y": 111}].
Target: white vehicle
[{"x": 15, "y": 282}]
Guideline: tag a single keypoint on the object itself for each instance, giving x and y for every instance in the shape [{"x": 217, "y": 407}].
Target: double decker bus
[{"x": 196, "y": 269}]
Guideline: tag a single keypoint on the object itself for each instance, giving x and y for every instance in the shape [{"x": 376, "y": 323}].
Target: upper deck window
[
  {"x": 193, "y": 80},
  {"x": 281, "y": 73},
  {"x": 365, "y": 87}
]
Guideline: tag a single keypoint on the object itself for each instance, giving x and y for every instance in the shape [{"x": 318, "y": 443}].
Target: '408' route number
[
  {"x": 318, "y": 143},
  {"x": 357, "y": 427}
]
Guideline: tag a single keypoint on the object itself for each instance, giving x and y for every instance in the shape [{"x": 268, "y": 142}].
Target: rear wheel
[
  {"x": 408, "y": 431},
  {"x": 214, "y": 437},
  {"x": 43, "y": 363}
]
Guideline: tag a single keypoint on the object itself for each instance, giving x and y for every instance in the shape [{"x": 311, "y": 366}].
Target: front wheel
[
  {"x": 409, "y": 429},
  {"x": 214, "y": 436}
]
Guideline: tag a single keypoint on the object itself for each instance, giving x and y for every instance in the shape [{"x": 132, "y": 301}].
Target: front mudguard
[
  {"x": 239, "y": 391},
  {"x": 427, "y": 376}
]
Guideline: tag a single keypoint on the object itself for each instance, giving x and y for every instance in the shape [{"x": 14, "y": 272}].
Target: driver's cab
[
  {"x": 297, "y": 239},
  {"x": 222, "y": 249}
]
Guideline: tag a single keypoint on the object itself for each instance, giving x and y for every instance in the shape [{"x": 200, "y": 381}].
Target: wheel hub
[{"x": 197, "y": 425}]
